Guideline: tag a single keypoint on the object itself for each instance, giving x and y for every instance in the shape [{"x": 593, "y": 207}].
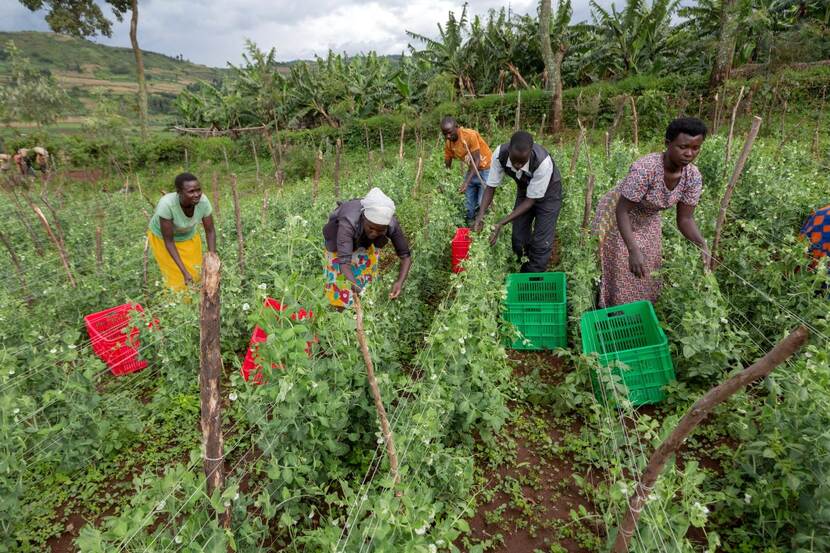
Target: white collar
[{"x": 524, "y": 169}]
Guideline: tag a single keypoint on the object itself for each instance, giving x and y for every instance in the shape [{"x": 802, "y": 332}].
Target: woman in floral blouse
[{"x": 628, "y": 219}]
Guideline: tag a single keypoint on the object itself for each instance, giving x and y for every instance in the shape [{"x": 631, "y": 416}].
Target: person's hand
[
  {"x": 478, "y": 224},
  {"x": 357, "y": 290},
  {"x": 397, "y": 287},
  {"x": 709, "y": 262},
  {"x": 463, "y": 187},
  {"x": 636, "y": 263},
  {"x": 188, "y": 280},
  {"x": 494, "y": 237}
]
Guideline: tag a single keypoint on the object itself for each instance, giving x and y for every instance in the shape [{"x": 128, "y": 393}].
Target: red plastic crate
[
  {"x": 251, "y": 369},
  {"x": 116, "y": 348},
  {"x": 460, "y": 248}
]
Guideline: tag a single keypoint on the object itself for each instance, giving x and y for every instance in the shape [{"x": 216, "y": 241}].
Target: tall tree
[
  {"x": 555, "y": 43},
  {"x": 84, "y": 18},
  {"x": 547, "y": 57},
  {"x": 28, "y": 94}
]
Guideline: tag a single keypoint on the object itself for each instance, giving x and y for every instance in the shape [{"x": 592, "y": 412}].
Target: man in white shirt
[{"x": 538, "y": 199}]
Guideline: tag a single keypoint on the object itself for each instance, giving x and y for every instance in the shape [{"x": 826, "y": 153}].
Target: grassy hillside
[{"x": 86, "y": 69}]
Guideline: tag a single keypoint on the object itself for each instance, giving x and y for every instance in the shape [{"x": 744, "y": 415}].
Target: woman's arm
[
  {"x": 170, "y": 244},
  {"x": 688, "y": 228},
  {"x": 210, "y": 233},
  {"x": 403, "y": 272},
  {"x": 636, "y": 262}
]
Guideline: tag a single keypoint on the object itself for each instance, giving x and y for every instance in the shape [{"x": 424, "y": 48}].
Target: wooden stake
[
  {"x": 338, "y": 151},
  {"x": 380, "y": 134},
  {"x": 636, "y": 123},
  {"x": 542, "y": 126},
  {"x": 21, "y": 276},
  {"x": 99, "y": 248},
  {"x": 210, "y": 374},
  {"x": 418, "y": 176},
  {"x": 373, "y": 385},
  {"x": 240, "y": 244},
  {"x": 607, "y": 145},
  {"x": 215, "y": 194},
  {"x": 577, "y": 148},
  {"x": 400, "y": 150},
  {"x": 54, "y": 213},
  {"x": 264, "y": 208},
  {"x": 589, "y": 199},
  {"x": 225, "y": 154},
  {"x": 315, "y": 184},
  {"x": 279, "y": 143},
  {"x": 256, "y": 160},
  {"x": 693, "y": 417},
  {"x": 517, "y": 124},
  {"x": 61, "y": 251},
  {"x": 730, "y": 187},
  {"x": 715, "y": 115},
  {"x": 728, "y": 156},
  {"x": 186, "y": 161}
]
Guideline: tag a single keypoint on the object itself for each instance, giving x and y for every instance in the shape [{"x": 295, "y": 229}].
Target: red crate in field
[
  {"x": 251, "y": 369},
  {"x": 117, "y": 348},
  {"x": 460, "y": 248}
]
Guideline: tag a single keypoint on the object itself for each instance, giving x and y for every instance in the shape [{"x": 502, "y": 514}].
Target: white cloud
[{"x": 213, "y": 32}]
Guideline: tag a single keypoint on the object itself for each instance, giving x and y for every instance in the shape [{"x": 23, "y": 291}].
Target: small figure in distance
[{"x": 466, "y": 145}]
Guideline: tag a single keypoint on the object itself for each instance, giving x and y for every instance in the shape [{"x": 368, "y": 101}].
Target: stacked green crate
[{"x": 537, "y": 306}]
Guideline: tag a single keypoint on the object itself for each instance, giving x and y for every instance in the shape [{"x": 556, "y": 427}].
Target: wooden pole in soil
[
  {"x": 61, "y": 251},
  {"x": 693, "y": 417},
  {"x": 517, "y": 124},
  {"x": 279, "y": 143},
  {"x": 577, "y": 148},
  {"x": 373, "y": 385},
  {"x": 315, "y": 184},
  {"x": 400, "y": 149},
  {"x": 636, "y": 122},
  {"x": 210, "y": 388},
  {"x": 418, "y": 177},
  {"x": 589, "y": 199},
  {"x": 54, "y": 213},
  {"x": 99, "y": 248},
  {"x": 21, "y": 276},
  {"x": 542, "y": 126},
  {"x": 715, "y": 115},
  {"x": 728, "y": 156},
  {"x": 730, "y": 187},
  {"x": 380, "y": 135},
  {"x": 256, "y": 160},
  {"x": 215, "y": 186},
  {"x": 186, "y": 161},
  {"x": 225, "y": 154},
  {"x": 338, "y": 152},
  {"x": 240, "y": 244},
  {"x": 607, "y": 145},
  {"x": 262, "y": 216},
  {"x": 816, "y": 140}
]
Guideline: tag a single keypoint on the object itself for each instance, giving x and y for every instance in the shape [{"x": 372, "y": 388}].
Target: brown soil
[{"x": 535, "y": 492}]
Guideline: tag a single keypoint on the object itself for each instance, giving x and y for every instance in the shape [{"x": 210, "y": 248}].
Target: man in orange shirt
[{"x": 467, "y": 145}]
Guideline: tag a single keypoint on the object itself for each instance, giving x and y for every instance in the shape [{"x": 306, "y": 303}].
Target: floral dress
[{"x": 644, "y": 185}]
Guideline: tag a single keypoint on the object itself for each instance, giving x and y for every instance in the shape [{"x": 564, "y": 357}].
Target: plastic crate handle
[
  {"x": 535, "y": 279},
  {"x": 615, "y": 314}
]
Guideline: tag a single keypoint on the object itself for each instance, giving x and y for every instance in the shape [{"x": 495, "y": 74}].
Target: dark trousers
[{"x": 535, "y": 231}]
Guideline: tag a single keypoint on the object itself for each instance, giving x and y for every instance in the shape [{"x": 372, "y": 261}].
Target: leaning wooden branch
[
  {"x": 730, "y": 188},
  {"x": 373, "y": 384},
  {"x": 714, "y": 397}
]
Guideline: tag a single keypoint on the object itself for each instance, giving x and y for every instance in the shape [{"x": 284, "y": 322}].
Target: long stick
[
  {"x": 210, "y": 389},
  {"x": 517, "y": 124},
  {"x": 373, "y": 384},
  {"x": 607, "y": 145},
  {"x": 240, "y": 243},
  {"x": 542, "y": 126},
  {"x": 589, "y": 198},
  {"x": 693, "y": 417},
  {"x": 58, "y": 246},
  {"x": 225, "y": 154},
  {"x": 732, "y": 130},
  {"x": 733, "y": 181},
  {"x": 315, "y": 184},
  {"x": 400, "y": 149},
  {"x": 418, "y": 176},
  {"x": 99, "y": 248},
  {"x": 262, "y": 217},
  {"x": 380, "y": 133},
  {"x": 338, "y": 150},
  {"x": 577, "y": 148}
]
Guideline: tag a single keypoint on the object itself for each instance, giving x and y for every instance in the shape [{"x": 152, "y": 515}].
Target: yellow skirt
[{"x": 190, "y": 252}]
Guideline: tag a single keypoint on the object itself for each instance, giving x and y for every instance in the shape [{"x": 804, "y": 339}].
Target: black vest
[{"x": 537, "y": 156}]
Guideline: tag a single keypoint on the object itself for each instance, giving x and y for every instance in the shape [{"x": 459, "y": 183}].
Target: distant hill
[{"x": 84, "y": 68}]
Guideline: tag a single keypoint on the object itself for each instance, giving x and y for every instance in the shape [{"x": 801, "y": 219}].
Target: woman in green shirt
[{"x": 172, "y": 235}]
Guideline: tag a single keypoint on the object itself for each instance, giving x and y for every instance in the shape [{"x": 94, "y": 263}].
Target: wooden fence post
[
  {"x": 635, "y": 122},
  {"x": 99, "y": 248},
  {"x": 400, "y": 150},
  {"x": 256, "y": 160},
  {"x": 693, "y": 417},
  {"x": 373, "y": 385},
  {"x": 338, "y": 152},
  {"x": 215, "y": 187},
  {"x": 58, "y": 245},
  {"x": 380, "y": 134},
  {"x": 589, "y": 199},
  {"x": 542, "y": 126},
  {"x": 607, "y": 145},
  {"x": 577, "y": 148},
  {"x": 517, "y": 124},
  {"x": 315, "y": 184},
  {"x": 730, "y": 187},
  {"x": 186, "y": 161},
  {"x": 21, "y": 276},
  {"x": 210, "y": 389},
  {"x": 239, "y": 238},
  {"x": 728, "y": 156}
]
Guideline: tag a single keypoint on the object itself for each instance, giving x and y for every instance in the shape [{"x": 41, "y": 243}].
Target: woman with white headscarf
[{"x": 355, "y": 231}]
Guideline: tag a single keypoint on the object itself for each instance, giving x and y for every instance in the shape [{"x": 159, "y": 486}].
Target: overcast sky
[{"x": 213, "y": 32}]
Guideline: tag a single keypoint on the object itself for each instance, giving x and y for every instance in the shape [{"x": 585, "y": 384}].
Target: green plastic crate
[
  {"x": 629, "y": 334},
  {"x": 537, "y": 306}
]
